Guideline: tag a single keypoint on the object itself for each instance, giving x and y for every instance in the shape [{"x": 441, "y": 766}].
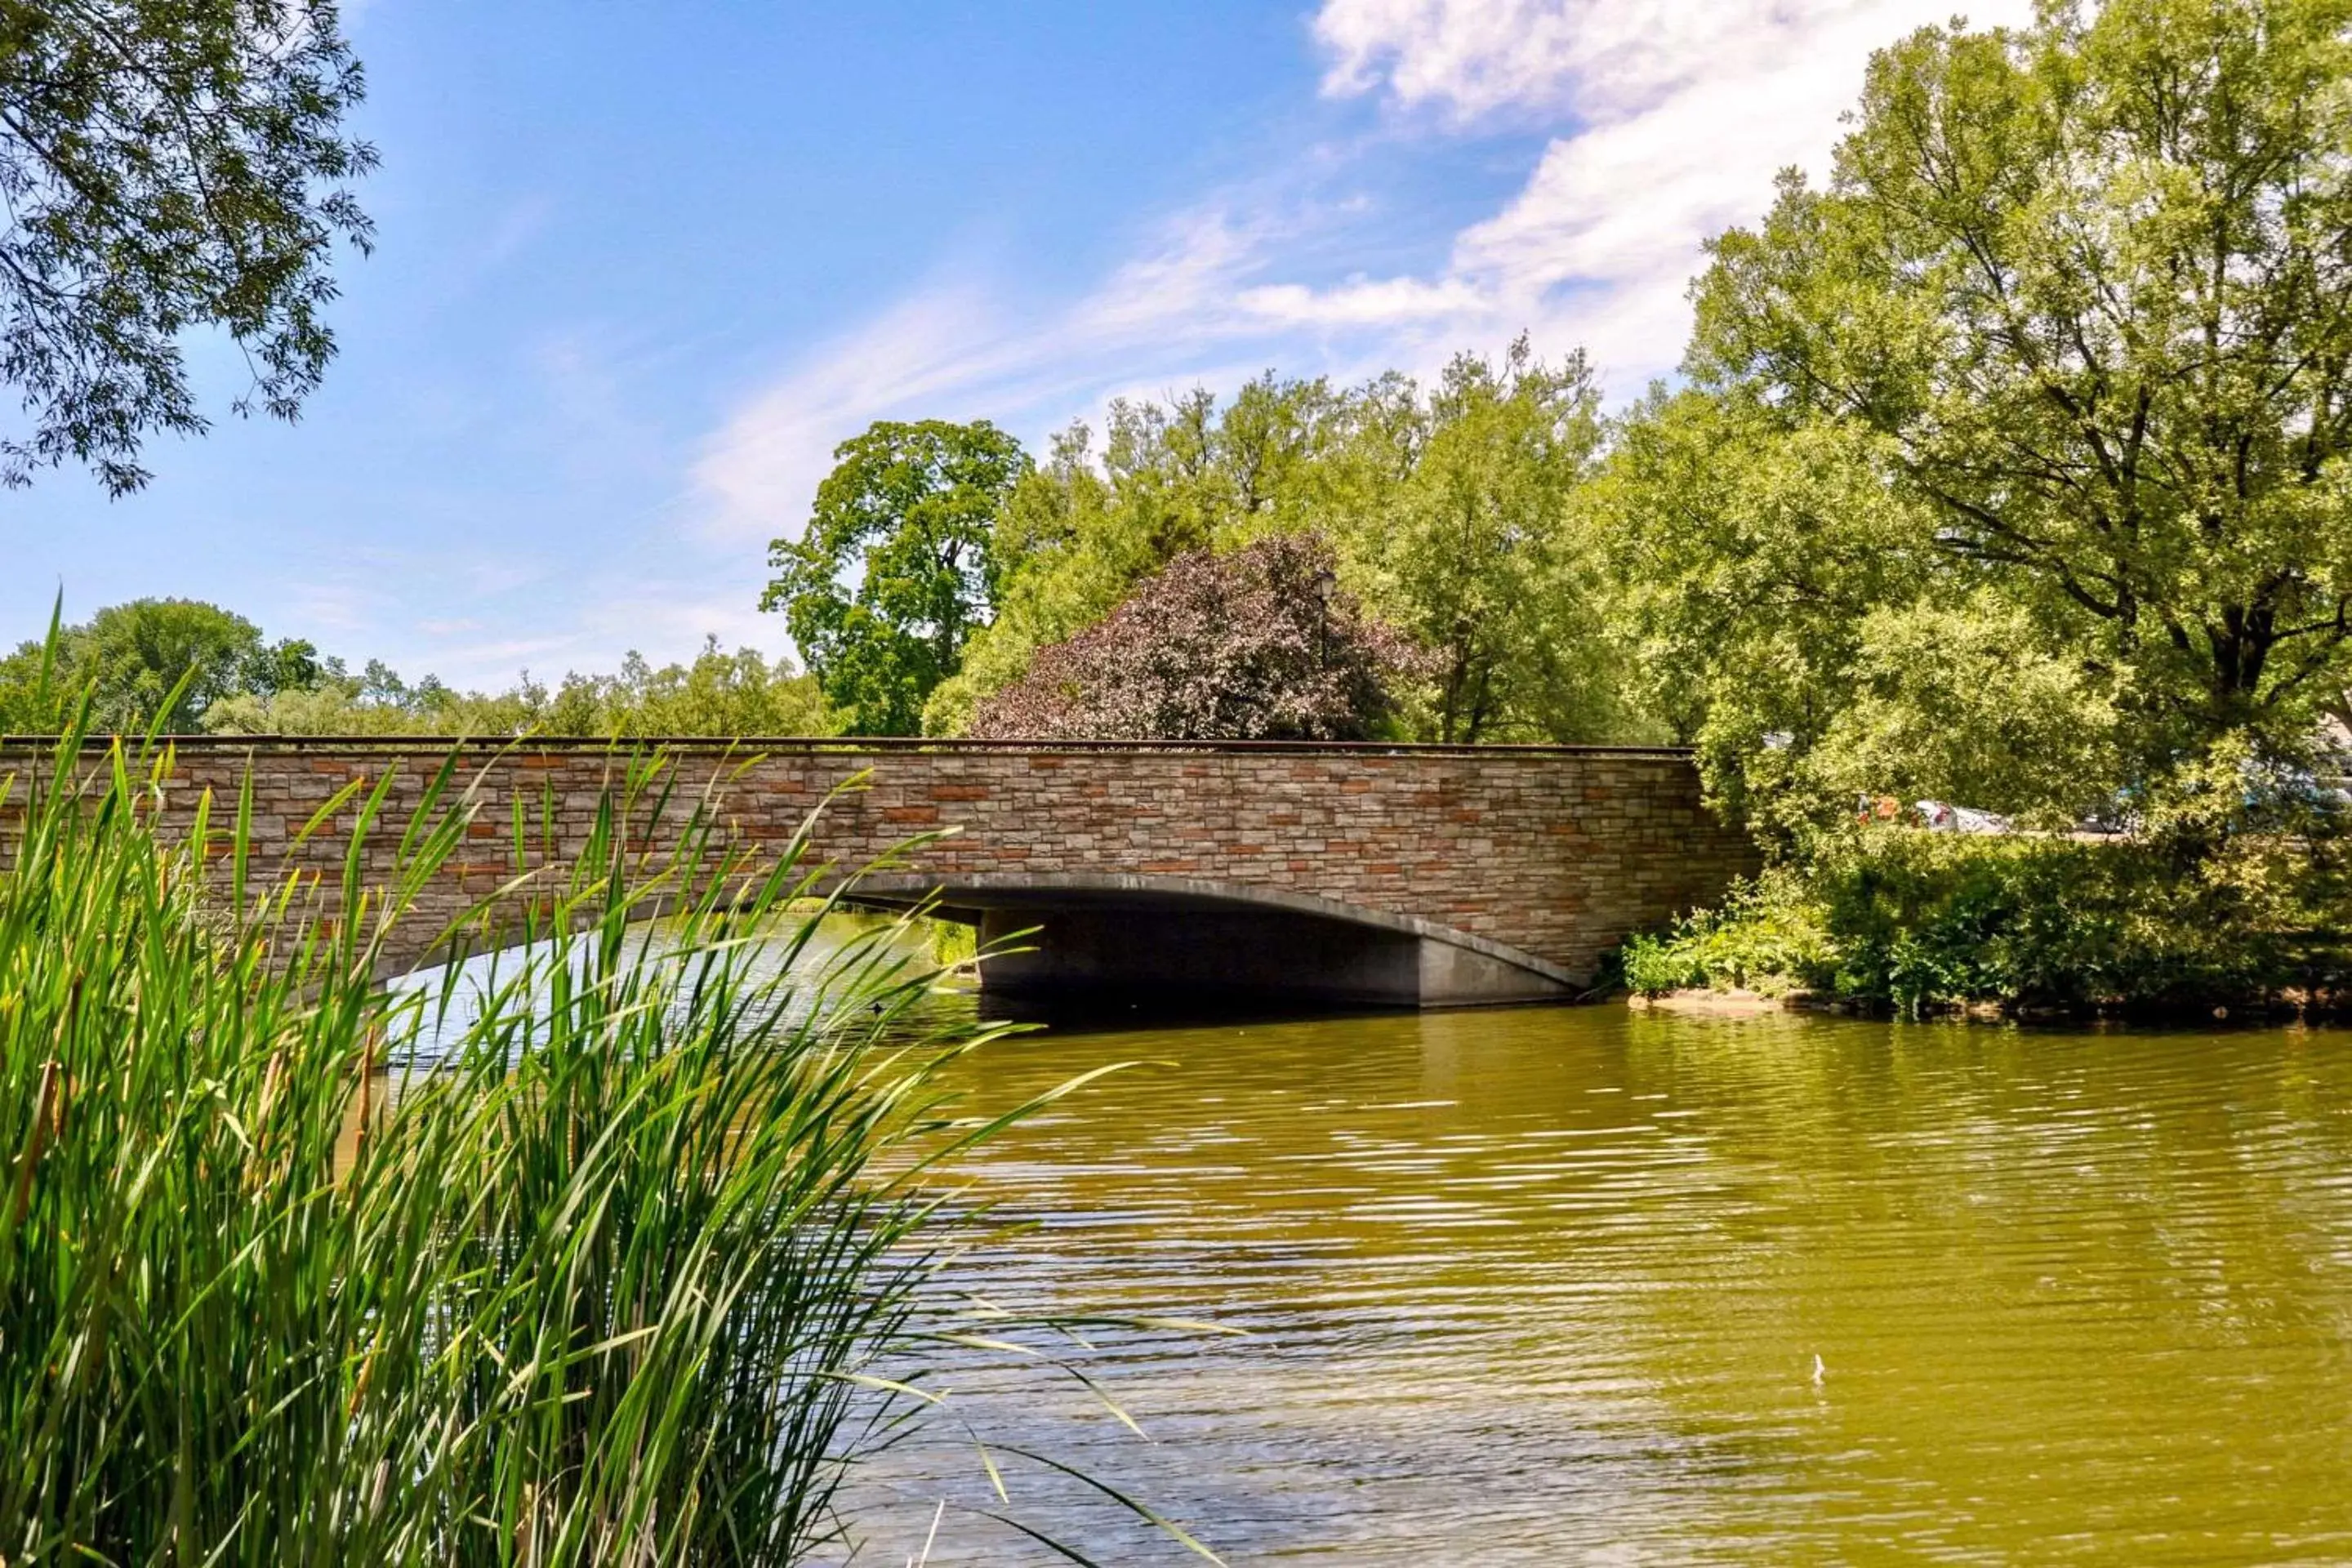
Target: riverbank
[
  {"x": 1901, "y": 920},
  {"x": 1703, "y": 1001}
]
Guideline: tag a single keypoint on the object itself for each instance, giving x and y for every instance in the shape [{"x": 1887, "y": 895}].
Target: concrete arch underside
[{"x": 1112, "y": 934}]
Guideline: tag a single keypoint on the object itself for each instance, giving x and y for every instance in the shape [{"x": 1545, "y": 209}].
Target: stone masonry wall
[{"x": 1556, "y": 852}]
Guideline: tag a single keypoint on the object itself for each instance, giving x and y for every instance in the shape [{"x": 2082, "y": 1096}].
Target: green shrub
[
  {"x": 1767, "y": 937},
  {"x": 1915, "y": 921}
]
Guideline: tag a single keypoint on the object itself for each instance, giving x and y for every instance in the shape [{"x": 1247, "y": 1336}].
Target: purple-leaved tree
[{"x": 1256, "y": 644}]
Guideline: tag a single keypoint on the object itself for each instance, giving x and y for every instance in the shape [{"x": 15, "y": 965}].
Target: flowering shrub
[{"x": 1257, "y": 644}]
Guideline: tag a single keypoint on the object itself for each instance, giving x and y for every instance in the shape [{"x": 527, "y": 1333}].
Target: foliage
[
  {"x": 2048, "y": 386},
  {"x": 1960, "y": 702},
  {"x": 911, "y": 509},
  {"x": 376, "y": 702},
  {"x": 1913, "y": 920},
  {"x": 1260, "y": 644},
  {"x": 1475, "y": 551},
  {"x": 1449, "y": 510},
  {"x": 167, "y": 165},
  {"x": 160, "y": 663},
  {"x": 629, "y": 1275},
  {"x": 1767, "y": 937},
  {"x": 1076, "y": 536},
  {"x": 720, "y": 694}
]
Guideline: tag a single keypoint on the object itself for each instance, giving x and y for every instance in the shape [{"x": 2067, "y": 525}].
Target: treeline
[
  {"x": 940, "y": 558},
  {"x": 2009, "y": 467},
  {"x": 183, "y": 667}
]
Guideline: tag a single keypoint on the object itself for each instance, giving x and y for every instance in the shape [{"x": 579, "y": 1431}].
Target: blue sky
[{"x": 640, "y": 267}]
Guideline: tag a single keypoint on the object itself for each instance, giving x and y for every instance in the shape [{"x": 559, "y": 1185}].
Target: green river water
[{"x": 1586, "y": 1285}]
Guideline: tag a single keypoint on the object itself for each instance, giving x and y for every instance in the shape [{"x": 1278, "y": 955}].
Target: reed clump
[{"x": 616, "y": 1276}]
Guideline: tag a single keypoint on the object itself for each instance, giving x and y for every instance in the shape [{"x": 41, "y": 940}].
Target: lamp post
[{"x": 1324, "y": 586}]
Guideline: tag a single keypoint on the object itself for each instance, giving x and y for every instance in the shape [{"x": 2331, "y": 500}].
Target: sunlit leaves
[
  {"x": 2058, "y": 371},
  {"x": 897, "y": 565},
  {"x": 1260, "y": 644}
]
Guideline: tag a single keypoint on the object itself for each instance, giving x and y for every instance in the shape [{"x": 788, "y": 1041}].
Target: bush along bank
[{"x": 1894, "y": 919}]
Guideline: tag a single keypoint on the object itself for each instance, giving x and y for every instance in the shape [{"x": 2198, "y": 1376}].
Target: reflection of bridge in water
[{"x": 1365, "y": 873}]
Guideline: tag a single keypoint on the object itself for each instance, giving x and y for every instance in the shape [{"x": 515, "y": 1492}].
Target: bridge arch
[
  {"x": 1396, "y": 873},
  {"x": 1110, "y": 932}
]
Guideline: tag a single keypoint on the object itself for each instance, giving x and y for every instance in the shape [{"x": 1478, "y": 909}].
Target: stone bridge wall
[{"x": 1552, "y": 853}]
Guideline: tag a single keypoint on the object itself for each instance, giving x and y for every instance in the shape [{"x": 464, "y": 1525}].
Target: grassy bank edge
[{"x": 1897, "y": 920}]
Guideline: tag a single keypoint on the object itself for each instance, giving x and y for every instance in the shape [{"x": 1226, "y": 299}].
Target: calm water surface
[{"x": 1564, "y": 1285}]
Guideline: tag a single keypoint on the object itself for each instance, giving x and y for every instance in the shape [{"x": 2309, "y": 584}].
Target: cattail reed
[{"x": 620, "y": 1276}]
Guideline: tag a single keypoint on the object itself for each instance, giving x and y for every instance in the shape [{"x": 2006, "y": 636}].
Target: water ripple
[{"x": 1581, "y": 1286}]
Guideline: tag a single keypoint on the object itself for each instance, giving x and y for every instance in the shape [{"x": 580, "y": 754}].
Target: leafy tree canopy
[
  {"x": 1449, "y": 509},
  {"x": 1078, "y": 533},
  {"x": 167, "y": 165},
  {"x": 1259, "y": 644},
  {"x": 131, "y": 658},
  {"x": 908, "y": 512},
  {"x": 2031, "y": 425},
  {"x": 1475, "y": 550},
  {"x": 719, "y": 694},
  {"x": 150, "y": 663}
]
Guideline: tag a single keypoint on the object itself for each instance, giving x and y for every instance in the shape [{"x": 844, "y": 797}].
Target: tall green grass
[{"x": 619, "y": 1278}]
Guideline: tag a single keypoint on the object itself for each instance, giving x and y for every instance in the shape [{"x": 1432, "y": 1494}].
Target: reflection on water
[
  {"x": 1579, "y": 1285},
  {"x": 439, "y": 1005}
]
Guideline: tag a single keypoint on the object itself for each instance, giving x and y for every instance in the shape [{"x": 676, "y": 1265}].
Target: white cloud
[
  {"x": 1670, "y": 119},
  {"x": 1682, "y": 113},
  {"x": 760, "y": 471},
  {"x": 1471, "y": 58},
  {"x": 1365, "y": 302},
  {"x": 953, "y": 352},
  {"x": 1598, "y": 59},
  {"x": 1190, "y": 273}
]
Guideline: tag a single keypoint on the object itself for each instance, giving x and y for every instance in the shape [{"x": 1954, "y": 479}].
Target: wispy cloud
[
  {"x": 954, "y": 349},
  {"x": 1680, "y": 116},
  {"x": 759, "y": 472},
  {"x": 1667, "y": 120},
  {"x": 1595, "y": 59}
]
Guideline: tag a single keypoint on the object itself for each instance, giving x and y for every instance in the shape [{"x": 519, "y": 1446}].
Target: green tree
[
  {"x": 2067, "y": 343},
  {"x": 720, "y": 694},
  {"x": 1453, "y": 510},
  {"x": 168, "y": 165},
  {"x": 1476, "y": 551},
  {"x": 1744, "y": 559},
  {"x": 1282, "y": 456},
  {"x": 151, "y": 662},
  {"x": 1079, "y": 532},
  {"x": 910, "y": 510},
  {"x": 376, "y": 701}
]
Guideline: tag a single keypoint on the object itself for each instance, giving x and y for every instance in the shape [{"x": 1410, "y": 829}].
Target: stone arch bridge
[{"x": 1361, "y": 874}]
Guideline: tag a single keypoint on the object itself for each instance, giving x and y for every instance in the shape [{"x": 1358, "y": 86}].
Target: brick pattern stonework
[{"x": 1557, "y": 853}]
